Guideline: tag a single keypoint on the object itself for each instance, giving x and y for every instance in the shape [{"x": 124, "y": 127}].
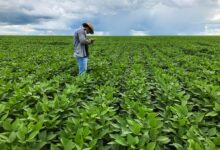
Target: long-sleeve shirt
[{"x": 81, "y": 43}]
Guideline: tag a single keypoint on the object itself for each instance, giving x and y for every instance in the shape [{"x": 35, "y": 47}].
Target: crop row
[{"x": 140, "y": 93}]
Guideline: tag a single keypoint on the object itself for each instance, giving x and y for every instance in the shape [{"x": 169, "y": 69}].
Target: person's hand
[{"x": 92, "y": 40}]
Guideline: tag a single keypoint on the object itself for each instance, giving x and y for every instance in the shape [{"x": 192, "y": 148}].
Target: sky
[{"x": 110, "y": 17}]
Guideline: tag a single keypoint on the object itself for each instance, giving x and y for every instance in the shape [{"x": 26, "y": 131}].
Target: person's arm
[{"x": 83, "y": 39}]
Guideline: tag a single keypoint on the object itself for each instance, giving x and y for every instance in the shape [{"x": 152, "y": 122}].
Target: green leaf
[
  {"x": 197, "y": 146},
  {"x": 136, "y": 140},
  {"x": 151, "y": 146},
  {"x": 103, "y": 133},
  {"x": 182, "y": 121},
  {"x": 92, "y": 143},
  {"x": 136, "y": 128},
  {"x": 121, "y": 141},
  {"x": 169, "y": 130},
  {"x": 2, "y": 108},
  {"x": 191, "y": 144},
  {"x": 118, "y": 139},
  {"x": 199, "y": 117},
  {"x": 177, "y": 146},
  {"x": 211, "y": 145},
  {"x": 32, "y": 135},
  {"x": 154, "y": 123},
  {"x": 51, "y": 136},
  {"x": 79, "y": 137},
  {"x": 12, "y": 137},
  {"x": 116, "y": 125},
  {"x": 142, "y": 140},
  {"x": 87, "y": 149},
  {"x": 163, "y": 139},
  {"x": 43, "y": 135},
  {"x": 212, "y": 132},
  {"x": 217, "y": 107},
  {"x": 217, "y": 141},
  {"x": 212, "y": 114},
  {"x": 35, "y": 130},
  {"x": 130, "y": 139},
  {"x": 21, "y": 135},
  {"x": 54, "y": 147},
  {"x": 3, "y": 138},
  {"x": 78, "y": 147},
  {"x": 5, "y": 116},
  {"x": 130, "y": 122},
  {"x": 15, "y": 124},
  {"x": 125, "y": 131},
  {"x": 40, "y": 144},
  {"x": 86, "y": 131},
  {"x": 7, "y": 124},
  {"x": 153, "y": 134},
  {"x": 67, "y": 143}
]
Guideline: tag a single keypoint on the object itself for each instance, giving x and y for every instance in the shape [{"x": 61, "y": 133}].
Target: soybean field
[{"x": 143, "y": 93}]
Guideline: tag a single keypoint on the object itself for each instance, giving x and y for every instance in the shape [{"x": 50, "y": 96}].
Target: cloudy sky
[{"x": 110, "y": 17}]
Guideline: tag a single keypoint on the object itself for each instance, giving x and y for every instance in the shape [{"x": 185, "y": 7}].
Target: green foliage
[{"x": 145, "y": 93}]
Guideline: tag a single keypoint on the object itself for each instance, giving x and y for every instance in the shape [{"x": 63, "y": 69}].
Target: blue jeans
[{"x": 82, "y": 63}]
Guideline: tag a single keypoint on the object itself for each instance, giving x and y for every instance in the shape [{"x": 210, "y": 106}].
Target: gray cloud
[
  {"x": 19, "y": 18},
  {"x": 110, "y": 16}
]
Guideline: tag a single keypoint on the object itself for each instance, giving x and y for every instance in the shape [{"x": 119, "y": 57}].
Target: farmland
[{"x": 149, "y": 93}]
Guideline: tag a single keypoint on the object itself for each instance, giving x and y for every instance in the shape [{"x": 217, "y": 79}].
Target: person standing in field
[{"x": 81, "y": 45}]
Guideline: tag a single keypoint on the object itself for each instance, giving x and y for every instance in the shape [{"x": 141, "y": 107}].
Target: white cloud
[
  {"x": 16, "y": 29},
  {"x": 180, "y": 3},
  {"x": 211, "y": 29},
  {"x": 217, "y": 1},
  {"x": 138, "y": 33},
  {"x": 101, "y": 33},
  {"x": 216, "y": 17},
  {"x": 110, "y": 17}
]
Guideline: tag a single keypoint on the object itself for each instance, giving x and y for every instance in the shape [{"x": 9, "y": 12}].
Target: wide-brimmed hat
[{"x": 90, "y": 27}]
